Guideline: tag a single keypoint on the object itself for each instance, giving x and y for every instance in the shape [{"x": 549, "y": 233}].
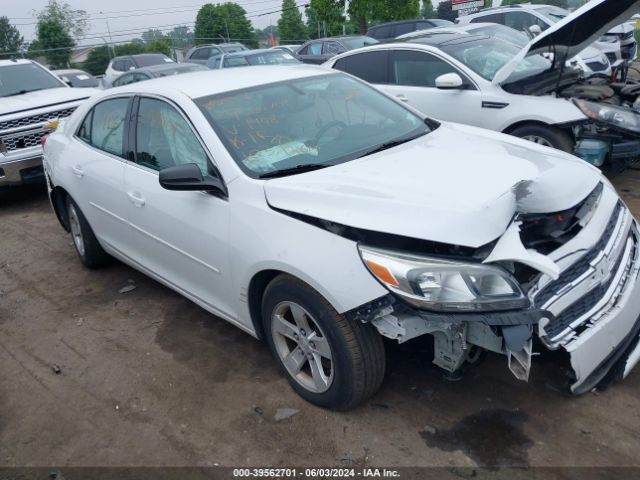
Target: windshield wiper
[
  {"x": 22, "y": 92},
  {"x": 392, "y": 143},
  {"x": 309, "y": 167}
]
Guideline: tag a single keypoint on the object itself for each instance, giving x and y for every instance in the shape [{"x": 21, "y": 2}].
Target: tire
[
  {"x": 91, "y": 253},
  {"x": 546, "y": 135},
  {"x": 352, "y": 363}
]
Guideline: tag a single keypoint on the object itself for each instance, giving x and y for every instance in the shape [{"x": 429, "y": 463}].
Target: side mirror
[
  {"x": 535, "y": 30},
  {"x": 188, "y": 177},
  {"x": 450, "y": 81}
]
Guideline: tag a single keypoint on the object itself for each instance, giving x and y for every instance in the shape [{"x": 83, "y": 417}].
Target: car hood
[
  {"x": 458, "y": 185},
  {"x": 574, "y": 33},
  {"x": 42, "y": 99}
]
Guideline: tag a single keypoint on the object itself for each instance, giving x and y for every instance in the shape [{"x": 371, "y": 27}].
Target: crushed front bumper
[{"x": 595, "y": 304}]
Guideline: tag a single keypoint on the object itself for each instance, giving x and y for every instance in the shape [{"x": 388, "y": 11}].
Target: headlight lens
[
  {"x": 617, "y": 116},
  {"x": 443, "y": 285},
  {"x": 608, "y": 38}
]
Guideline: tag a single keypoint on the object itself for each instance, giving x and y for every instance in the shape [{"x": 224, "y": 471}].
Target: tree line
[{"x": 60, "y": 27}]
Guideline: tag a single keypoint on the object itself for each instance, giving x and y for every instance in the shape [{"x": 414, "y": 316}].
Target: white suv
[
  {"x": 30, "y": 97},
  {"x": 618, "y": 43}
]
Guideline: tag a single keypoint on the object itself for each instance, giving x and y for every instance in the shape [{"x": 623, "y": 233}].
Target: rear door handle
[
  {"x": 402, "y": 98},
  {"x": 78, "y": 171},
  {"x": 136, "y": 198}
]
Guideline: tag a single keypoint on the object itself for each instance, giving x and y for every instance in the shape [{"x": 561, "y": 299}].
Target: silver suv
[
  {"x": 203, "y": 53},
  {"x": 31, "y": 97}
]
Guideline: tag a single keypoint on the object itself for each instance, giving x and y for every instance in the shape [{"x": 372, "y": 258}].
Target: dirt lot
[{"x": 148, "y": 378}]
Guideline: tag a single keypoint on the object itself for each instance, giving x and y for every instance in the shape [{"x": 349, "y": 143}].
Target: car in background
[
  {"x": 122, "y": 64},
  {"x": 388, "y": 31},
  {"x": 155, "y": 71},
  {"x": 591, "y": 60},
  {"x": 292, "y": 49},
  {"x": 203, "y": 53},
  {"x": 320, "y": 50},
  {"x": 312, "y": 211},
  {"x": 31, "y": 98},
  {"x": 618, "y": 43},
  {"x": 486, "y": 82},
  {"x": 77, "y": 78},
  {"x": 247, "y": 58}
]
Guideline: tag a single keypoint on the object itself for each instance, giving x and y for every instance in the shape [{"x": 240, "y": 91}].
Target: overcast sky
[{"x": 131, "y": 14}]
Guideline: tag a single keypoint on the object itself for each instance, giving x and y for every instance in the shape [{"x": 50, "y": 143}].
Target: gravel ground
[{"x": 90, "y": 376}]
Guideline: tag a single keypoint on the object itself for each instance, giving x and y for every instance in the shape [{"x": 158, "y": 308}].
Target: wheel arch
[
  {"x": 255, "y": 292},
  {"x": 539, "y": 123},
  {"x": 58, "y": 197}
]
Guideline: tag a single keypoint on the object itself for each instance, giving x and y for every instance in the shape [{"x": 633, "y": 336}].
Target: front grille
[
  {"x": 30, "y": 137},
  {"x": 584, "y": 304},
  {"x": 43, "y": 117},
  {"x": 581, "y": 266},
  {"x": 597, "y": 66}
]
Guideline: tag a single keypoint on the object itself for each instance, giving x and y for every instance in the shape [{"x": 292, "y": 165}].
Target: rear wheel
[
  {"x": 330, "y": 360},
  {"x": 545, "y": 135},
  {"x": 91, "y": 253}
]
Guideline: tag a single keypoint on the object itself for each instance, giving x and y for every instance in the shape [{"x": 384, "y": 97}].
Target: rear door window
[
  {"x": 490, "y": 18},
  {"x": 107, "y": 125},
  {"x": 371, "y": 67},
  {"x": 403, "y": 28},
  {"x": 418, "y": 69}
]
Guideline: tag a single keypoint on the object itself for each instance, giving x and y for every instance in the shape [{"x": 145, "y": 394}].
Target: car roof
[
  {"x": 399, "y": 22},
  {"x": 445, "y": 39},
  {"x": 164, "y": 66},
  {"x": 212, "y": 82},
  {"x": 17, "y": 61},
  {"x": 71, "y": 71},
  {"x": 248, "y": 53}
]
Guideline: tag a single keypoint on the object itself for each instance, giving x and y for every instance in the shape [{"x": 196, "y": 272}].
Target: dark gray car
[
  {"x": 156, "y": 71},
  {"x": 321, "y": 50}
]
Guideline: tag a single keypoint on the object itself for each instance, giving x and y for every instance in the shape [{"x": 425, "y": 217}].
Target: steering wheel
[{"x": 326, "y": 128}]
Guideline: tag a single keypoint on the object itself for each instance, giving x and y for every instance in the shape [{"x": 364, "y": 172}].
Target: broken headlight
[
  {"x": 610, "y": 114},
  {"x": 444, "y": 285}
]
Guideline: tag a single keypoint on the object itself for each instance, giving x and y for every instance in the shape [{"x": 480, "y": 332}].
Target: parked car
[
  {"x": 156, "y": 71},
  {"x": 388, "y": 31},
  {"x": 203, "y": 53},
  {"x": 292, "y": 49},
  {"x": 122, "y": 64},
  {"x": 618, "y": 43},
  {"x": 30, "y": 98},
  {"x": 77, "y": 78},
  {"x": 487, "y": 82},
  {"x": 591, "y": 60},
  {"x": 321, "y": 50},
  {"x": 310, "y": 210},
  {"x": 247, "y": 58}
]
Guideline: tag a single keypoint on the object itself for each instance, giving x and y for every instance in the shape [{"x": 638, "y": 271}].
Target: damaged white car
[{"x": 309, "y": 209}]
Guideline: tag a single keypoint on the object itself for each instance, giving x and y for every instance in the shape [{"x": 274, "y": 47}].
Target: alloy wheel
[{"x": 76, "y": 231}]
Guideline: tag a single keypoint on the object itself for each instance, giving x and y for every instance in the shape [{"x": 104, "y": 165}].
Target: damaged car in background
[
  {"x": 309, "y": 209},
  {"x": 529, "y": 92}
]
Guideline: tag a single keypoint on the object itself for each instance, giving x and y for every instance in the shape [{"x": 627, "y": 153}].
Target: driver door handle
[
  {"x": 136, "y": 198},
  {"x": 402, "y": 98}
]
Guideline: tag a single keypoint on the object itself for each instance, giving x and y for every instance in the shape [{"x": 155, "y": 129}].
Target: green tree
[
  {"x": 290, "y": 25},
  {"x": 224, "y": 22},
  {"x": 325, "y": 17},
  {"x": 97, "y": 61},
  {"x": 10, "y": 38},
  {"x": 160, "y": 46},
  {"x": 181, "y": 37},
  {"x": 132, "y": 48},
  {"x": 74, "y": 22},
  {"x": 371, "y": 11},
  {"x": 445, "y": 12},
  {"x": 427, "y": 9},
  {"x": 55, "y": 42}
]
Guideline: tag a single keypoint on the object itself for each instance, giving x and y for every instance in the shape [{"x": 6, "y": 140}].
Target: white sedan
[{"x": 309, "y": 209}]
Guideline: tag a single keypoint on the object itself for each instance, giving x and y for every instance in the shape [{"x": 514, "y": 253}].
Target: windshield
[
  {"x": 553, "y": 14},
  {"x": 488, "y": 55},
  {"x": 504, "y": 33},
  {"x": 271, "y": 58},
  {"x": 358, "y": 42},
  {"x": 440, "y": 22},
  {"x": 24, "y": 78},
  {"x": 322, "y": 120}
]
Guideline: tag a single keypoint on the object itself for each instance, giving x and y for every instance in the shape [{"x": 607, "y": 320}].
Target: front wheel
[
  {"x": 546, "y": 135},
  {"x": 330, "y": 360}
]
